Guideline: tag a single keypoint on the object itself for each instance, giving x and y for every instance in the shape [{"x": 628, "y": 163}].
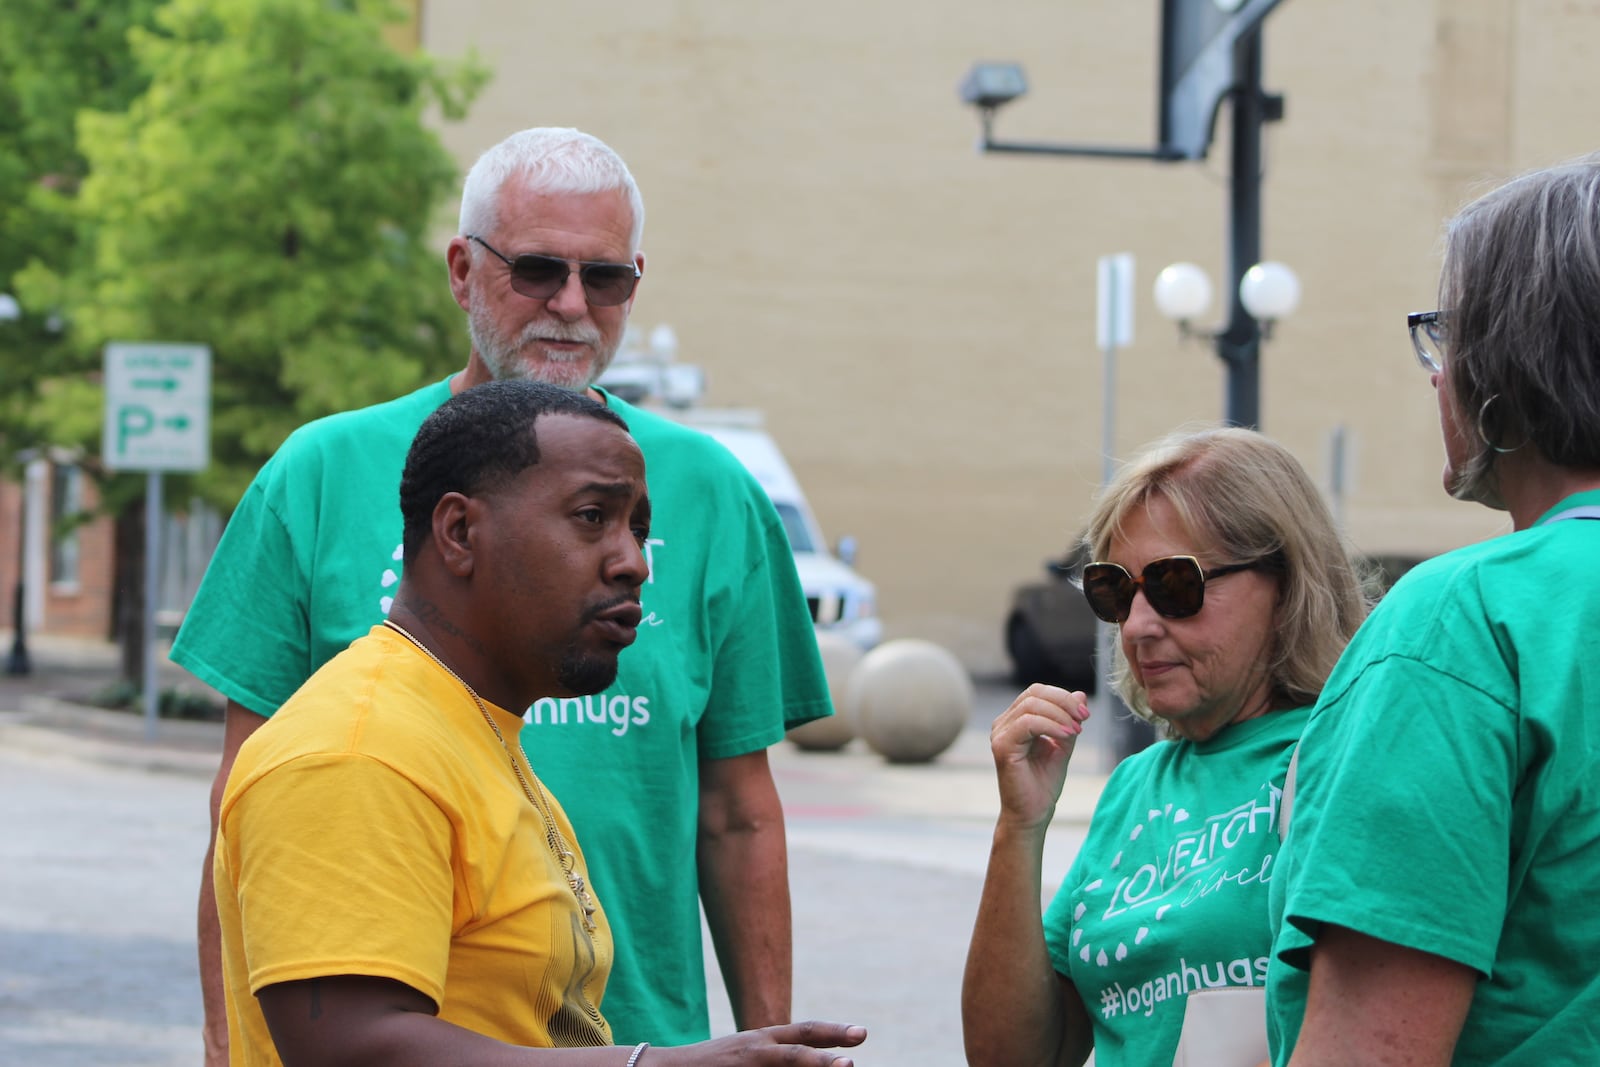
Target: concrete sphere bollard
[
  {"x": 839, "y": 659},
  {"x": 909, "y": 700}
]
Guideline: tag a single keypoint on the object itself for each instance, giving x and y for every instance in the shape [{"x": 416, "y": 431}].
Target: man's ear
[
  {"x": 453, "y": 517},
  {"x": 458, "y": 259},
  {"x": 627, "y": 306}
]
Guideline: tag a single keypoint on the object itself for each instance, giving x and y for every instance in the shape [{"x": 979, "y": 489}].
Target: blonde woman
[{"x": 1233, "y": 595}]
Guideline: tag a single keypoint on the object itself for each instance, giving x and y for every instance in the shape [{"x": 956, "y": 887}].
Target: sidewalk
[
  {"x": 48, "y": 711},
  {"x": 852, "y": 797}
]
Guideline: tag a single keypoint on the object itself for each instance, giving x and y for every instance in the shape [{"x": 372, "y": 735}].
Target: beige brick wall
[{"x": 916, "y": 320}]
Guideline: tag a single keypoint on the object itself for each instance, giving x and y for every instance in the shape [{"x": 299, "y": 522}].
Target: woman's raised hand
[{"x": 1032, "y": 741}]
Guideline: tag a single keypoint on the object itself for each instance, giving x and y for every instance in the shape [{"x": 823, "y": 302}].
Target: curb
[{"x": 46, "y": 726}]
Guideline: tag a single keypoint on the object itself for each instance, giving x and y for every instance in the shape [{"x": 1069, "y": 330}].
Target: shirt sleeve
[
  {"x": 1403, "y": 811},
  {"x": 247, "y": 633},
  {"x": 768, "y": 675},
  {"x": 340, "y": 866}
]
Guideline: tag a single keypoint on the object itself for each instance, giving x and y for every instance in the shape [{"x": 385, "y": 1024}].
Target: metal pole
[
  {"x": 1114, "y": 731},
  {"x": 19, "y": 662},
  {"x": 1336, "y": 473},
  {"x": 1104, "y": 704},
  {"x": 1240, "y": 344},
  {"x": 1108, "y": 400},
  {"x": 152, "y": 577}
]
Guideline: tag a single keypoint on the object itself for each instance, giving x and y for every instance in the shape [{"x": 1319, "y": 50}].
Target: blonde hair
[{"x": 1246, "y": 497}]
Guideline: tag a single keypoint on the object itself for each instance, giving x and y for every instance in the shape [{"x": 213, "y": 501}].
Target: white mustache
[{"x": 559, "y": 331}]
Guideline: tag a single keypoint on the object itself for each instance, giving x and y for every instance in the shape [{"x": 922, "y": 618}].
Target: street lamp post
[
  {"x": 1211, "y": 55},
  {"x": 1239, "y": 343}
]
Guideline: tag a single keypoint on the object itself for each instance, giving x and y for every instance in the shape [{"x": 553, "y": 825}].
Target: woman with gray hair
[
  {"x": 1234, "y": 595},
  {"x": 1437, "y": 887}
]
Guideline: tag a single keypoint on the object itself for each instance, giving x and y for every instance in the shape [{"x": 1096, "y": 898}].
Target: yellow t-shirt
[{"x": 373, "y": 826}]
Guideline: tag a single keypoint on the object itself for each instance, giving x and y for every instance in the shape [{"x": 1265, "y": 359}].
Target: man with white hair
[{"x": 664, "y": 774}]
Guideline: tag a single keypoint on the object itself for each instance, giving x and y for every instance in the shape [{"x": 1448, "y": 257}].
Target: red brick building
[{"x": 66, "y": 555}]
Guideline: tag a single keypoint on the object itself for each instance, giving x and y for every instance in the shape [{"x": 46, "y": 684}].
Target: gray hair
[
  {"x": 1520, "y": 294},
  {"x": 1245, "y": 497},
  {"x": 550, "y": 159}
]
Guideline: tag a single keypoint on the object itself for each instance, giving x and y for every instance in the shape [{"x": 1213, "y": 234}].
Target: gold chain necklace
[{"x": 534, "y": 792}]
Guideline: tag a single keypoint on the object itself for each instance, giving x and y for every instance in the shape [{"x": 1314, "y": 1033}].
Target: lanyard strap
[{"x": 1588, "y": 511}]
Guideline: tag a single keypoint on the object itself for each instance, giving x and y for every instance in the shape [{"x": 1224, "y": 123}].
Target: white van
[{"x": 841, "y": 601}]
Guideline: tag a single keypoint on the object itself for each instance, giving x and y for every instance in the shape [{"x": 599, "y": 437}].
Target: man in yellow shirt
[{"x": 394, "y": 883}]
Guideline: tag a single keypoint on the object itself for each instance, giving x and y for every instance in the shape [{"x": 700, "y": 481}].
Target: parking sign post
[
  {"x": 1118, "y": 734},
  {"x": 157, "y": 418}
]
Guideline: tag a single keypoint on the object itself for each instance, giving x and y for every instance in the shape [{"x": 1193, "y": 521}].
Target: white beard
[{"x": 525, "y": 358}]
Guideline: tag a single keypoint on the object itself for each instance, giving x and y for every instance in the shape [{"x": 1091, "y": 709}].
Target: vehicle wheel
[
  {"x": 1029, "y": 662},
  {"x": 1079, "y": 675}
]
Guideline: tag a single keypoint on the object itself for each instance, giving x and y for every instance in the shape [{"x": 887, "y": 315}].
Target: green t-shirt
[
  {"x": 1448, "y": 796},
  {"x": 725, "y": 660},
  {"x": 1168, "y": 893}
]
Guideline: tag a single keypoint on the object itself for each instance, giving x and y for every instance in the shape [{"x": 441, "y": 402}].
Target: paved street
[
  {"x": 103, "y": 834},
  {"x": 96, "y": 916}
]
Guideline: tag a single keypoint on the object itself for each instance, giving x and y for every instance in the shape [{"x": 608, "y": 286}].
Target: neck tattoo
[{"x": 530, "y": 788}]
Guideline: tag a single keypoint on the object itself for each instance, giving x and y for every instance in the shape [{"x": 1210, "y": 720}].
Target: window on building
[{"x": 66, "y": 505}]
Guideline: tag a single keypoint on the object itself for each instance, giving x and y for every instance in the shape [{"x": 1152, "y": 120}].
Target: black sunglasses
[
  {"x": 541, "y": 277},
  {"x": 1175, "y": 586}
]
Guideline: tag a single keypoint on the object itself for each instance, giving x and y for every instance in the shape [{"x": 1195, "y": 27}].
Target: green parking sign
[{"x": 158, "y": 407}]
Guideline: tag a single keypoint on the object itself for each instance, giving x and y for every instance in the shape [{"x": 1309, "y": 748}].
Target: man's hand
[
  {"x": 807, "y": 1044},
  {"x": 351, "y": 1019}
]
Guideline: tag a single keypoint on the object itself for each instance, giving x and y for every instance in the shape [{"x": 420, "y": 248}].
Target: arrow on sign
[
  {"x": 169, "y": 384},
  {"x": 176, "y": 422}
]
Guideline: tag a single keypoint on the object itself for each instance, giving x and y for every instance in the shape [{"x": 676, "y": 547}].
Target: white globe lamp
[
  {"x": 1269, "y": 291},
  {"x": 1182, "y": 291}
]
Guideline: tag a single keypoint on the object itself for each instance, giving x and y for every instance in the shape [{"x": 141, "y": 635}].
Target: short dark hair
[
  {"x": 477, "y": 441},
  {"x": 1522, "y": 327}
]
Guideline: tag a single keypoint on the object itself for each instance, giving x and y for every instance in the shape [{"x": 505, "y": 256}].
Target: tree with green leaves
[
  {"x": 269, "y": 192},
  {"x": 57, "y": 58}
]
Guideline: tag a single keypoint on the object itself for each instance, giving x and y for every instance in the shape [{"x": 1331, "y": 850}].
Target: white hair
[{"x": 549, "y": 159}]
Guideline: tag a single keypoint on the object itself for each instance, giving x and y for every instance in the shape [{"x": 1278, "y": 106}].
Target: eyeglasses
[
  {"x": 541, "y": 277},
  {"x": 1175, "y": 586},
  {"x": 1427, "y": 337}
]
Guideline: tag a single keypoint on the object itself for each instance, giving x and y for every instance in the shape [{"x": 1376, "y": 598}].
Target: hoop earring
[{"x": 1484, "y": 437}]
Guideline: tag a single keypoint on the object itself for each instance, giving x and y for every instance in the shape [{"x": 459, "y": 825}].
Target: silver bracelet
[{"x": 638, "y": 1050}]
